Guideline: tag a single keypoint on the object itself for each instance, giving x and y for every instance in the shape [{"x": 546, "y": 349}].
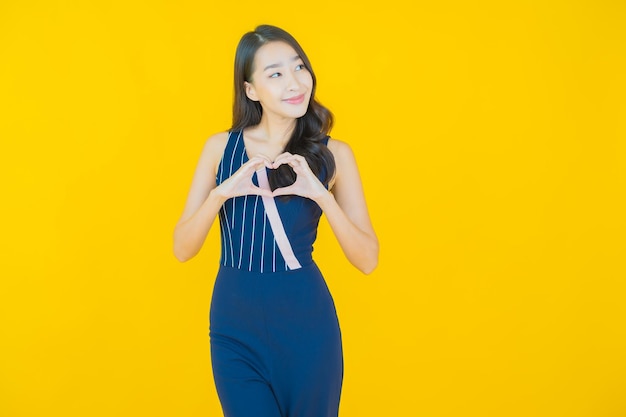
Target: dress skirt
[{"x": 275, "y": 344}]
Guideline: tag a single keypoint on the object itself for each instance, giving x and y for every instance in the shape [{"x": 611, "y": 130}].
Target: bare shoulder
[
  {"x": 214, "y": 149},
  {"x": 345, "y": 163},
  {"x": 342, "y": 152},
  {"x": 340, "y": 149},
  {"x": 216, "y": 142}
]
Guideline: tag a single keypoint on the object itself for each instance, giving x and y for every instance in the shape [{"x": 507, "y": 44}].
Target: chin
[{"x": 296, "y": 114}]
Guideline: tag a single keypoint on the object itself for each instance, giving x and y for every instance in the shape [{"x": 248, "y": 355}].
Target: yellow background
[{"x": 491, "y": 141}]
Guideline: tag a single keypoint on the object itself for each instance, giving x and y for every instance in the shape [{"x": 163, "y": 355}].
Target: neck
[{"x": 276, "y": 131}]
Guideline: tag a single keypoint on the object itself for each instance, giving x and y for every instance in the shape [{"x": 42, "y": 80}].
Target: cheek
[
  {"x": 306, "y": 79},
  {"x": 266, "y": 90}
]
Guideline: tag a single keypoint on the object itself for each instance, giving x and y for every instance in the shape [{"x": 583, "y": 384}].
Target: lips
[{"x": 295, "y": 100}]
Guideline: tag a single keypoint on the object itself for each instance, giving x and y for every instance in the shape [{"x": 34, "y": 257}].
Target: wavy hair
[{"x": 311, "y": 129}]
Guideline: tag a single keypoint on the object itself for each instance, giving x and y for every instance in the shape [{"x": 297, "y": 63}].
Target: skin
[{"x": 279, "y": 75}]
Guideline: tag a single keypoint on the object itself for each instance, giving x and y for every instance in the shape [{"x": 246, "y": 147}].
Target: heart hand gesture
[{"x": 306, "y": 184}]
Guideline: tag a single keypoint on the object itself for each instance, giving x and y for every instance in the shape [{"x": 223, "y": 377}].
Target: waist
[
  {"x": 274, "y": 270},
  {"x": 260, "y": 258}
]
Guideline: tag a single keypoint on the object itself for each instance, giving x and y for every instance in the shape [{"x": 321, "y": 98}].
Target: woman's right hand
[
  {"x": 206, "y": 197},
  {"x": 240, "y": 183}
]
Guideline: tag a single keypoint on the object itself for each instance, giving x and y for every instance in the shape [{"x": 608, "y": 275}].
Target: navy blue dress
[{"x": 275, "y": 339}]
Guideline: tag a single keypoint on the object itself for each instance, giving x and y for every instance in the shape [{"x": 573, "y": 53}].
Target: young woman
[{"x": 275, "y": 340}]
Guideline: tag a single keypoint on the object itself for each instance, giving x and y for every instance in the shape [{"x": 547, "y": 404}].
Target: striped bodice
[{"x": 247, "y": 239}]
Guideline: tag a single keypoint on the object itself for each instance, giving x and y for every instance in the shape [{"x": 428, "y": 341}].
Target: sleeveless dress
[{"x": 275, "y": 338}]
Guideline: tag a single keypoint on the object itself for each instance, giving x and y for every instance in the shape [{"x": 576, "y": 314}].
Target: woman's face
[{"x": 280, "y": 81}]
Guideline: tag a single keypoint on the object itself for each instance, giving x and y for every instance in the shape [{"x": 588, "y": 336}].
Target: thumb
[
  {"x": 262, "y": 192},
  {"x": 283, "y": 191}
]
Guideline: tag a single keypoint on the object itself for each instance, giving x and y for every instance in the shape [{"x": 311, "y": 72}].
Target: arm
[
  {"x": 346, "y": 211},
  {"x": 345, "y": 207},
  {"x": 205, "y": 198}
]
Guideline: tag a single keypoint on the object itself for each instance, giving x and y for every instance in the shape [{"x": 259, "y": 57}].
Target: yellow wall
[{"x": 491, "y": 140}]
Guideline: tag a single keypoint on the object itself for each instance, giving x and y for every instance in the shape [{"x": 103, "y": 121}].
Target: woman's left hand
[{"x": 306, "y": 184}]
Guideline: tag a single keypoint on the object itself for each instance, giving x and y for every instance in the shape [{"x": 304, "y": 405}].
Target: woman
[{"x": 275, "y": 339}]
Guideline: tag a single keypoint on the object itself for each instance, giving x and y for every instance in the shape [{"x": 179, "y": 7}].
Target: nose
[{"x": 293, "y": 84}]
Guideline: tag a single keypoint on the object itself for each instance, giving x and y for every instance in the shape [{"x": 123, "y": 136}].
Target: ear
[{"x": 250, "y": 91}]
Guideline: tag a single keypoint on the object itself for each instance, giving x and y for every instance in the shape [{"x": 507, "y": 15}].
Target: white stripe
[
  {"x": 263, "y": 243},
  {"x": 232, "y": 214},
  {"x": 243, "y": 154},
  {"x": 243, "y": 228},
  {"x": 232, "y": 159},
  {"x": 253, "y": 229},
  {"x": 223, "y": 229},
  {"x": 232, "y": 256},
  {"x": 274, "y": 257}
]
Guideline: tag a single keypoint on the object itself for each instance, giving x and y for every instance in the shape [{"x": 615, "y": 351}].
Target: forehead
[{"x": 276, "y": 52}]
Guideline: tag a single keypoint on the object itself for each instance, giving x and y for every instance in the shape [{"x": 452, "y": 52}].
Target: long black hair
[{"x": 311, "y": 129}]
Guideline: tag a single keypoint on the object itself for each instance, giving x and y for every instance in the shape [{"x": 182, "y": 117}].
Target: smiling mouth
[{"x": 295, "y": 100}]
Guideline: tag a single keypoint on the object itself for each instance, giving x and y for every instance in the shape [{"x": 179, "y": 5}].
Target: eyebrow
[{"x": 279, "y": 64}]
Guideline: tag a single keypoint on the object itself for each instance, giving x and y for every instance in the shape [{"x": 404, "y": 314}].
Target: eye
[
  {"x": 275, "y": 75},
  {"x": 300, "y": 67}
]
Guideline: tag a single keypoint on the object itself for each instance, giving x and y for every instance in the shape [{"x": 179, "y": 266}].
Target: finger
[
  {"x": 266, "y": 159},
  {"x": 292, "y": 162},
  {"x": 261, "y": 191},
  {"x": 260, "y": 160},
  {"x": 296, "y": 158},
  {"x": 281, "y": 159},
  {"x": 300, "y": 166},
  {"x": 284, "y": 191},
  {"x": 254, "y": 165}
]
